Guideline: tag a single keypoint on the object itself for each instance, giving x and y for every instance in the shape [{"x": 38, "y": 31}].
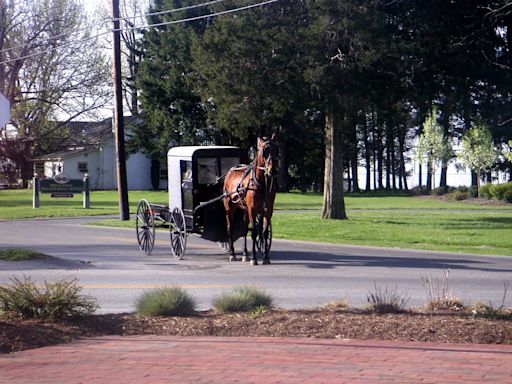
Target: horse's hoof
[
  {"x": 266, "y": 261},
  {"x": 245, "y": 259},
  {"x": 254, "y": 262},
  {"x": 233, "y": 258}
]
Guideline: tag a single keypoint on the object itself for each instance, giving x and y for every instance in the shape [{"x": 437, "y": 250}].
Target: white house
[{"x": 93, "y": 153}]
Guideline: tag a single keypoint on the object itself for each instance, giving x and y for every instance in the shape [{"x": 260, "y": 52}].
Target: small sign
[{"x": 61, "y": 195}]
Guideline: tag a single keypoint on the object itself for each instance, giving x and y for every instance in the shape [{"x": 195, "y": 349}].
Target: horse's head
[{"x": 265, "y": 153}]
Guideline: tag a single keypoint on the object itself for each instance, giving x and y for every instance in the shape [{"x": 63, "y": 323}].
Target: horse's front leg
[
  {"x": 246, "y": 229},
  {"x": 254, "y": 236},
  {"x": 265, "y": 233}
]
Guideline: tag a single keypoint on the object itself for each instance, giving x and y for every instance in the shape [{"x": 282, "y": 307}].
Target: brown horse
[{"x": 251, "y": 188}]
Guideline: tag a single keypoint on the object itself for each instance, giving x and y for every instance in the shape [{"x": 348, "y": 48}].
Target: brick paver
[{"x": 157, "y": 359}]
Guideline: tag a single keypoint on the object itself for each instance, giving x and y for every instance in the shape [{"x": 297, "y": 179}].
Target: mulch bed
[{"x": 17, "y": 335}]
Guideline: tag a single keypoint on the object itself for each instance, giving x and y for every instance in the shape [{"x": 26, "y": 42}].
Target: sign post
[{"x": 35, "y": 197}]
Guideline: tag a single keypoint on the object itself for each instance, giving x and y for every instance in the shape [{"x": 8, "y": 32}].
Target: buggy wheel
[
  {"x": 145, "y": 226},
  {"x": 263, "y": 244},
  {"x": 178, "y": 232}
]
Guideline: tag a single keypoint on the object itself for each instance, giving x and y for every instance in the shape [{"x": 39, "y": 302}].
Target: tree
[
  {"x": 433, "y": 147},
  {"x": 250, "y": 69},
  {"x": 173, "y": 112},
  {"x": 50, "y": 71},
  {"x": 478, "y": 151}
]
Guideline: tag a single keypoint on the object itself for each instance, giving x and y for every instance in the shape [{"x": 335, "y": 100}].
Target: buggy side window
[
  {"x": 226, "y": 163},
  {"x": 207, "y": 170}
]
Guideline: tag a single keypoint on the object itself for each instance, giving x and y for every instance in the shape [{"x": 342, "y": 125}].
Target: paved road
[
  {"x": 152, "y": 359},
  {"x": 110, "y": 266}
]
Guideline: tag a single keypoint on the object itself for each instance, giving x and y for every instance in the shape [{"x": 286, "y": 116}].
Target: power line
[
  {"x": 109, "y": 20},
  {"x": 142, "y": 27},
  {"x": 170, "y": 10},
  {"x": 201, "y": 17}
]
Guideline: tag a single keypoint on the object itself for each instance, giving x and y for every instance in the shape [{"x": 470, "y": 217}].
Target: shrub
[
  {"x": 166, "y": 301},
  {"x": 51, "y": 301},
  {"x": 507, "y": 196},
  {"x": 503, "y": 191},
  {"x": 439, "y": 191},
  {"x": 487, "y": 191},
  {"x": 386, "y": 300},
  {"x": 439, "y": 295},
  {"x": 458, "y": 195},
  {"x": 242, "y": 299}
]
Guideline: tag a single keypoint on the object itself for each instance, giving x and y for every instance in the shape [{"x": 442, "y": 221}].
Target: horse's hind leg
[{"x": 232, "y": 256}]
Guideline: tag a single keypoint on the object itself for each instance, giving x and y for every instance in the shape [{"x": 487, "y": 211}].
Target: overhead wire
[
  {"x": 185, "y": 20},
  {"x": 109, "y": 20}
]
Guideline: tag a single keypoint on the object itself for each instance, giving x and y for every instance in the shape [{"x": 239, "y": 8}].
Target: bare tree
[{"x": 50, "y": 70}]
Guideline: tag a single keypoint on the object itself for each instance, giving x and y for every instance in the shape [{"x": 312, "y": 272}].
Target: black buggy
[{"x": 195, "y": 184}]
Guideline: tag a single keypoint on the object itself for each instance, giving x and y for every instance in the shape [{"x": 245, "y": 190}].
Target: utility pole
[{"x": 122, "y": 185}]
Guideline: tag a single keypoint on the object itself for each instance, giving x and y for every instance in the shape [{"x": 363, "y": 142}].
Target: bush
[
  {"x": 51, "y": 301},
  {"x": 166, "y": 301},
  {"x": 487, "y": 191},
  {"x": 507, "y": 196},
  {"x": 439, "y": 191},
  {"x": 503, "y": 192},
  {"x": 243, "y": 299},
  {"x": 458, "y": 195},
  {"x": 386, "y": 300}
]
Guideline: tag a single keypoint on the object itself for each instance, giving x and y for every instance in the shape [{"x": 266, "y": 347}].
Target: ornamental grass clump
[
  {"x": 439, "y": 294},
  {"x": 243, "y": 299},
  {"x": 166, "y": 301},
  {"x": 57, "y": 300},
  {"x": 386, "y": 300}
]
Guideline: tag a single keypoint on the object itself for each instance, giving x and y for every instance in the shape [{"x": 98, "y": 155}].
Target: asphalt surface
[{"x": 110, "y": 266}]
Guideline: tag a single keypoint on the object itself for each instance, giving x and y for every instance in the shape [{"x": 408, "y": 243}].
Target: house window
[{"x": 82, "y": 167}]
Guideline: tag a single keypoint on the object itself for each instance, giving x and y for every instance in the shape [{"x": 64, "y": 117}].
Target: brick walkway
[{"x": 157, "y": 359}]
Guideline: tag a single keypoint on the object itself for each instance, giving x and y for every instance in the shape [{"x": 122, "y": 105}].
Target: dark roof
[{"x": 84, "y": 136}]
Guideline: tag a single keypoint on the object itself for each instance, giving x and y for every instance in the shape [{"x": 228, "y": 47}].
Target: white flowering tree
[
  {"x": 433, "y": 147},
  {"x": 478, "y": 150}
]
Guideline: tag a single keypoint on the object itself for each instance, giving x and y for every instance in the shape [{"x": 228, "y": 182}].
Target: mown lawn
[{"x": 402, "y": 221}]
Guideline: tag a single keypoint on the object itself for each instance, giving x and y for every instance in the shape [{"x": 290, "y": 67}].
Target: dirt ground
[{"x": 17, "y": 335}]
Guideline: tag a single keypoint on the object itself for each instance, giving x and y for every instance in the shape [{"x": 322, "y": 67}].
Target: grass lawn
[{"x": 410, "y": 222}]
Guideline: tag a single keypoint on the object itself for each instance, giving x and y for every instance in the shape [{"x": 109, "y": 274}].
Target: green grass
[
  {"x": 454, "y": 231},
  {"x": 378, "y": 219},
  {"x": 19, "y": 254},
  {"x": 17, "y": 204}
]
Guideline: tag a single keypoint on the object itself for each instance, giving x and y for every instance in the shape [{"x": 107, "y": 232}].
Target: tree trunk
[
  {"x": 420, "y": 176},
  {"x": 401, "y": 170},
  {"x": 334, "y": 203},
  {"x": 380, "y": 159},
  {"x": 388, "y": 160},
  {"x": 443, "y": 181},
  {"x": 155, "y": 173},
  {"x": 367, "y": 156},
  {"x": 429, "y": 177}
]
